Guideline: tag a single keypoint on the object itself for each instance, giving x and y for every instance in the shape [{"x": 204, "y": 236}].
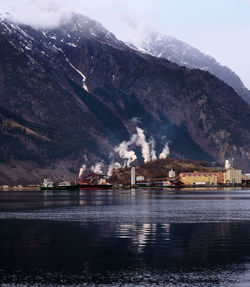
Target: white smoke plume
[
  {"x": 84, "y": 166},
  {"x": 165, "y": 152},
  {"x": 137, "y": 139},
  {"x": 136, "y": 120},
  {"x": 153, "y": 152},
  {"x": 112, "y": 166},
  {"x": 97, "y": 168},
  {"x": 140, "y": 140},
  {"x": 82, "y": 170},
  {"x": 227, "y": 164},
  {"x": 125, "y": 153}
]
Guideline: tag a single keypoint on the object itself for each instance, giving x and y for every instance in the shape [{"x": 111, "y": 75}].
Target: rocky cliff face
[
  {"x": 70, "y": 95},
  {"x": 183, "y": 54}
]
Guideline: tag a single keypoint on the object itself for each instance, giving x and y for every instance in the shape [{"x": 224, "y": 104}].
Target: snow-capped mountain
[
  {"x": 183, "y": 54},
  {"x": 49, "y": 42},
  {"x": 74, "y": 92}
]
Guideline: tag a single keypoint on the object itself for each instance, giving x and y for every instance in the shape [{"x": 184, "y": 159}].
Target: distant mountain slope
[
  {"x": 69, "y": 95},
  {"x": 183, "y": 54}
]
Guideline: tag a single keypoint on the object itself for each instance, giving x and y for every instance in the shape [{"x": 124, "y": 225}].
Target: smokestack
[{"x": 132, "y": 176}]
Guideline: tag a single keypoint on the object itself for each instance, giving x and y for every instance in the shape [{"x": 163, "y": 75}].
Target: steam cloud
[
  {"x": 147, "y": 148},
  {"x": 137, "y": 139},
  {"x": 112, "y": 166},
  {"x": 127, "y": 154},
  {"x": 84, "y": 166},
  {"x": 165, "y": 152},
  {"x": 140, "y": 140},
  {"x": 39, "y": 14},
  {"x": 82, "y": 170},
  {"x": 153, "y": 152},
  {"x": 97, "y": 168}
]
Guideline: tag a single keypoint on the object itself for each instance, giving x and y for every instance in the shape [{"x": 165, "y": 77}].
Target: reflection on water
[{"x": 144, "y": 238}]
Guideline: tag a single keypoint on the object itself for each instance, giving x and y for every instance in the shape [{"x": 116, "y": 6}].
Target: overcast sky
[{"x": 220, "y": 28}]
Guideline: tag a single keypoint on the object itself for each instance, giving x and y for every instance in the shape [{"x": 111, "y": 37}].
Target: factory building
[
  {"x": 232, "y": 176},
  {"x": 201, "y": 178},
  {"x": 246, "y": 179},
  {"x": 140, "y": 178}
]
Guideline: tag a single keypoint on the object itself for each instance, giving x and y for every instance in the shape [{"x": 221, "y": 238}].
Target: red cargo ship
[{"x": 94, "y": 181}]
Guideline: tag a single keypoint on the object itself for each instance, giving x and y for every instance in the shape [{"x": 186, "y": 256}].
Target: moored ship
[
  {"x": 161, "y": 184},
  {"x": 63, "y": 185},
  {"x": 94, "y": 181}
]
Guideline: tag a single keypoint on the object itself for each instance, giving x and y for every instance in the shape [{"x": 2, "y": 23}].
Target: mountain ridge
[
  {"x": 183, "y": 54},
  {"x": 84, "y": 97}
]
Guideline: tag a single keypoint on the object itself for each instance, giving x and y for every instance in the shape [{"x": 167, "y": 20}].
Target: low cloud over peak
[
  {"x": 39, "y": 14},
  {"x": 135, "y": 29}
]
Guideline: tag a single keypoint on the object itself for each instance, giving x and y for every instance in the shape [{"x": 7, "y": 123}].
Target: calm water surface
[{"x": 122, "y": 238}]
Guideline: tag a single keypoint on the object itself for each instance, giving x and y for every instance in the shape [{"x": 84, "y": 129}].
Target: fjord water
[{"x": 125, "y": 238}]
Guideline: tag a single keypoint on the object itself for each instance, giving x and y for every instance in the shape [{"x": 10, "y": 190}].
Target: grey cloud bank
[{"x": 39, "y": 14}]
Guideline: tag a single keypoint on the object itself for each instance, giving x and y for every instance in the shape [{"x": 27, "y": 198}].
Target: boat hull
[
  {"x": 72, "y": 187},
  {"x": 95, "y": 187},
  {"x": 80, "y": 187},
  {"x": 159, "y": 186}
]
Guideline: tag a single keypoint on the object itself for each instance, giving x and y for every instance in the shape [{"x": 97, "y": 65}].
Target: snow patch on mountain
[
  {"x": 72, "y": 45},
  {"x": 183, "y": 54},
  {"x": 82, "y": 75}
]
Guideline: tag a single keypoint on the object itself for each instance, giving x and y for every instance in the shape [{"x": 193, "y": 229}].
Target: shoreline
[{"x": 179, "y": 188}]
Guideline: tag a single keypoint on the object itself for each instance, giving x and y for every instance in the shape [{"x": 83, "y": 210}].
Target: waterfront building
[
  {"x": 201, "y": 178},
  {"x": 140, "y": 178},
  {"x": 232, "y": 176},
  {"x": 246, "y": 179}
]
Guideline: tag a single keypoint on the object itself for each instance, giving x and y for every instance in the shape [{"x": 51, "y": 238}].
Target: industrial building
[
  {"x": 232, "y": 176},
  {"x": 246, "y": 179},
  {"x": 201, "y": 178}
]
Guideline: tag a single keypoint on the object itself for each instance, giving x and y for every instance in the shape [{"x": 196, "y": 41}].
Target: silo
[{"x": 132, "y": 176}]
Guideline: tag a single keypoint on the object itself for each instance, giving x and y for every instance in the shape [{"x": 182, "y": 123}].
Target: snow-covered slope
[
  {"x": 185, "y": 55},
  {"x": 71, "y": 34}
]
